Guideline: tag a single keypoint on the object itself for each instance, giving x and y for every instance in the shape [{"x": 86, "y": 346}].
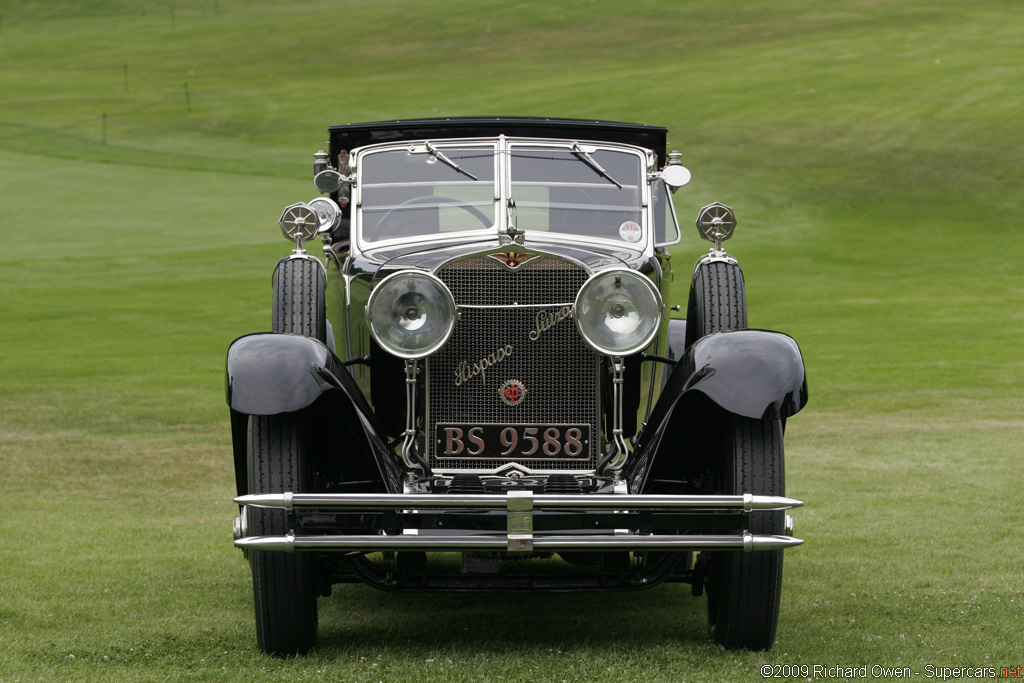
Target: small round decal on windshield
[{"x": 630, "y": 231}]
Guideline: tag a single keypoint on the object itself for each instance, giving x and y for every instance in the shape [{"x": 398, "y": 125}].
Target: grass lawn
[{"x": 873, "y": 154}]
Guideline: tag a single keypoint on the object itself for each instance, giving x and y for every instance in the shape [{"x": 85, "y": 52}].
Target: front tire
[
  {"x": 284, "y": 589},
  {"x": 744, "y": 589}
]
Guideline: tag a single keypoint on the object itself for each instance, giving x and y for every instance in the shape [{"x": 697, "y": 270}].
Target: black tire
[
  {"x": 283, "y": 583},
  {"x": 299, "y": 298},
  {"x": 718, "y": 300},
  {"x": 744, "y": 589}
]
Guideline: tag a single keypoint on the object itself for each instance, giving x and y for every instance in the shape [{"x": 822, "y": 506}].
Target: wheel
[
  {"x": 744, "y": 588},
  {"x": 718, "y": 300},
  {"x": 299, "y": 298},
  {"x": 384, "y": 231},
  {"x": 284, "y": 590}
]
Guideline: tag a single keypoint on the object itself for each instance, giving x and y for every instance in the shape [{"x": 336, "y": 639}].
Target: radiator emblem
[
  {"x": 512, "y": 392},
  {"x": 466, "y": 371},
  {"x": 513, "y": 259},
  {"x": 545, "y": 320}
]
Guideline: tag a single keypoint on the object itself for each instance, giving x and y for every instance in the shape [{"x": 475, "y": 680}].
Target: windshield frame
[{"x": 503, "y": 148}]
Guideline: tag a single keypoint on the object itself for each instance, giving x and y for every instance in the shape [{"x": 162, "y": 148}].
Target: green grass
[{"x": 871, "y": 150}]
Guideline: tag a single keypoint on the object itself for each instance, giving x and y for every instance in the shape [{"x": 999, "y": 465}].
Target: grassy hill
[{"x": 871, "y": 150}]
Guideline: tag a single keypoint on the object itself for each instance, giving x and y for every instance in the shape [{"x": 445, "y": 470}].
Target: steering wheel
[{"x": 382, "y": 232}]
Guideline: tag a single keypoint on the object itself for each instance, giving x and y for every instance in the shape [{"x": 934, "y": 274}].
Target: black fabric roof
[{"x": 352, "y": 135}]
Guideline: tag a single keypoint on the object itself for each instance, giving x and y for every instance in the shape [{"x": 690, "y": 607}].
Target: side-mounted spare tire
[
  {"x": 718, "y": 300},
  {"x": 299, "y": 298}
]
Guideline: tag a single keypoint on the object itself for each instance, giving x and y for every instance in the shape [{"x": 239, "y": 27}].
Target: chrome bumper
[{"x": 521, "y": 508}]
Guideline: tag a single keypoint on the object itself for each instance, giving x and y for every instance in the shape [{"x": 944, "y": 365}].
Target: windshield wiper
[
  {"x": 585, "y": 157},
  {"x": 438, "y": 154}
]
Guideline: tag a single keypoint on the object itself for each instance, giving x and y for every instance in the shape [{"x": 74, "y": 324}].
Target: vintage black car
[{"x": 480, "y": 386}]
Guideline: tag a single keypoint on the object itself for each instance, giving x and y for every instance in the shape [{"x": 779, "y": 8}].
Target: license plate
[{"x": 513, "y": 441}]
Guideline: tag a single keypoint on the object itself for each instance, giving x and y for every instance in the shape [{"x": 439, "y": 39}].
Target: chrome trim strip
[
  {"x": 488, "y": 306},
  {"x": 746, "y": 542},
  {"x": 393, "y": 501},
  {"x": 520, "y": 467},
  {"x": 714, "y": 256},
  {"x": 301, "y": 255}
]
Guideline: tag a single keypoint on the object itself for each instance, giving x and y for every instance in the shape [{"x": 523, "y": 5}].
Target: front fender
[
  {"x": 753, "y": 373},
  {"x": 269, "y": 374}
]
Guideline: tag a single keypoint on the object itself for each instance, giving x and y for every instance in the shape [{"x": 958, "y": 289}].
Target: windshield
[
  {"x": 427, "y": 189},
  {"x": 432, "y": 188},
  {"x": 579, "y": 190}
]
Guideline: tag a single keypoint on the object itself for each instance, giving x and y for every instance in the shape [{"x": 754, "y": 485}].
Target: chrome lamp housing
[
  {"x": 411, "y": 314},
  {"x": 618, "y": 312}
]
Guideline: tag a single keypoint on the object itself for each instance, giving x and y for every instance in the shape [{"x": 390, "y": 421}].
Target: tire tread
[
  {"x": 299, "y": 299},
  {"x": 283, "y": 588},
  {"x": 718, "y": 300},
  {"x": 748, "y": 606}
]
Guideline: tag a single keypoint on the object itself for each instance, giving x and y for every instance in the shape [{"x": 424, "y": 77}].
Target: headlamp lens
[
  {"x": 618, "y": 312},
  {"x": 411, "y": 314}
]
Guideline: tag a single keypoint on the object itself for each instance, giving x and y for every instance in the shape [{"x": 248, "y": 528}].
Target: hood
[{"x": 432, "y": 256}]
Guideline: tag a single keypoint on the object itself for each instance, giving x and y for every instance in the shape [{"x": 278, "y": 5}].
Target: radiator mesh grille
[{"x": 559, "y": 372}]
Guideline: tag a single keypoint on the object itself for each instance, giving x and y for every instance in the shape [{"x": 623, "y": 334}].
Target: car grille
[{"x": 557, "y": 370}]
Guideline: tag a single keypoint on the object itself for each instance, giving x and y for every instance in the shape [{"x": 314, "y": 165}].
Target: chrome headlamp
[
  {"x": 411, "y": 314},
  {"x": 618, "y": 312},
  {"x": 327, "y": 212}
]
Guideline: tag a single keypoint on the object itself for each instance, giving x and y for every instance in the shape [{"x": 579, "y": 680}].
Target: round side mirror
[
  {"x": 328, "y": 181},
  {"x": 675, "y": 176}
]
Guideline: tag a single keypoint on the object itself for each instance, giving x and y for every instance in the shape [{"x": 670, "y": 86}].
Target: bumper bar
[
  {"x": 520, "y": 508},
  {"x": 745, "y": 542},
  {"x": 380, "y": 501}
]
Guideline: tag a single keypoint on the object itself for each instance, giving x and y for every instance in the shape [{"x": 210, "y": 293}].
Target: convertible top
[{"x": 352, "y": 135}]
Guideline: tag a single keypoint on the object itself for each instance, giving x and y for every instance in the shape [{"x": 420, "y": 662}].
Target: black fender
[
  {"x": 753, "y": 373},
  {"x": 271, "y": 374}
]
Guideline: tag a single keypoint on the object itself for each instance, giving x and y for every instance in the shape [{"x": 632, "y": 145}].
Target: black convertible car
[{"x": 478, "y": 386}]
